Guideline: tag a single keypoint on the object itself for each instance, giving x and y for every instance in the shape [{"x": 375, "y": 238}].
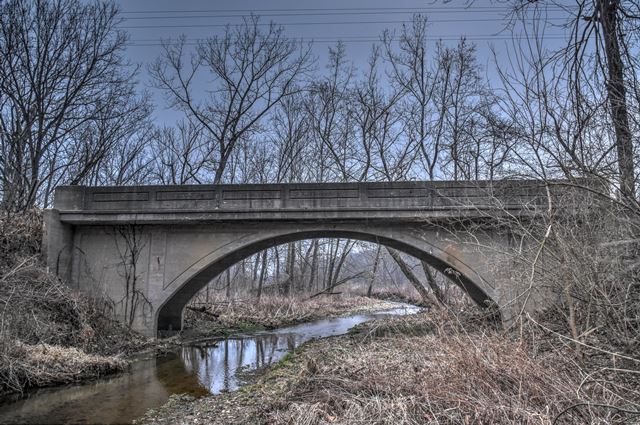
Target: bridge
[{"x": 150, "y": 249}]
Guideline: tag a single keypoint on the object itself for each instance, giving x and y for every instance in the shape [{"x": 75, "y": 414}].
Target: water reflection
[
  {"x": 118, "y": 399},
  {"x": 217, "y": 365},
  {"x": 200, "y": 369}
]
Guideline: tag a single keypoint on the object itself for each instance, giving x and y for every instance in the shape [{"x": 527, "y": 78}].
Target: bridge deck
[{"x": 295, "y": 201}]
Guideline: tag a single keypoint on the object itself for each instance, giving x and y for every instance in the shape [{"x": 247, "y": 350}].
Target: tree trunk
[
  {"x": 305, "y": 267},
  {"x": 431, "y": 281},
  {"x": 276, "y": 252},
  {"x": 263, "y": 269},
  {"x": 343, "y": 257},
  {"x": 376, "y": 261},
  {"x": 328, "y": 275},
  {"x": 314, "y": 265},
  {"x": 254, "y": 272},
  {"x": 618, "y": 96},
  {"x": 228, "y": 289},
  {"x": 406, "y": 270},
  {"x": 289, "y": 268}
]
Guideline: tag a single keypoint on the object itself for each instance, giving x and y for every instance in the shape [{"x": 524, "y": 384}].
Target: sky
[{"x": 358, "y": 23}]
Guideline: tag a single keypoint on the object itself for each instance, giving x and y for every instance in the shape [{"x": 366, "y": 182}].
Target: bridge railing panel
[{"x": 327, "y": 196}]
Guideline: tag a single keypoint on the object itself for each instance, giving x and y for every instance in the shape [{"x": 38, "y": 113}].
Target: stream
[{"x": 198, "y": 369}]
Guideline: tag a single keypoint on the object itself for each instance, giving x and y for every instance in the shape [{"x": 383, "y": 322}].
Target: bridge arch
[{"x": 444, "y": 256}]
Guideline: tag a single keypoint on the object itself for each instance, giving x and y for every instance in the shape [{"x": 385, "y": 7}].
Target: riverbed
[{"x": 198, "y": 369}]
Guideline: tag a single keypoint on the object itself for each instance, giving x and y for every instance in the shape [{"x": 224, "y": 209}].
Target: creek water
[{"x": 202, "y": 368}]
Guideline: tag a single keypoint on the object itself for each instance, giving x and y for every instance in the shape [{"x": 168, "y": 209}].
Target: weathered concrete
[{"x": 151, "y": 248}]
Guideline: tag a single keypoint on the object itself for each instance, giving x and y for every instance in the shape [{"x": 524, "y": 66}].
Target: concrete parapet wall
[{"x": 306, "y": 196}]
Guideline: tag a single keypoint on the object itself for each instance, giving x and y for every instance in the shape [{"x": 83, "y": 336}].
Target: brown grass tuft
[{"x": 24, "y": 366}]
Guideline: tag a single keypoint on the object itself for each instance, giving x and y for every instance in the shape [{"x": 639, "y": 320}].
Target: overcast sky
[{"x": 358, "y": 23}]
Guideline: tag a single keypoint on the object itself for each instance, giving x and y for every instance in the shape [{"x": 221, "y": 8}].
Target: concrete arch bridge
[{"x": 151, "y": 248}]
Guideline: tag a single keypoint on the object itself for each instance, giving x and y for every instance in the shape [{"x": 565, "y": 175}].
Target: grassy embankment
[{"x": 430, "y": 368}]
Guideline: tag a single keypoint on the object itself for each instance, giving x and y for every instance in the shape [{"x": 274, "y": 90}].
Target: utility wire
[
  {"x": 350, "y": 9},
  {"x": 310, "y": 23},
  {"x": 367, "y": 37},
  {"x": 372, "y": 40},
  {"x": 248, "y": 14}
]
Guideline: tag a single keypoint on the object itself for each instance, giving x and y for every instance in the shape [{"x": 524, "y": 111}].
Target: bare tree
[
  {"x": 468, "y": 104},
  {"x": 66, "y": 95},
  {"x": 599, "y": 64},
  {"x": 328, "y": 112},
  {"x": 130, "y": 242},
  {"x": 180, "y": 154},
  {"x": 425, "y": 87},
  {"x": 382, "y": 153},
  {"x": 290, "y": 128},
  {"x": 372, "y": 276},
  {"x": 251, "y": 70}
]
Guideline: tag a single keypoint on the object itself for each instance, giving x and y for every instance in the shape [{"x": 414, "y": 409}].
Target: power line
[
  {"x": 246, "y": 15},
  {"x": 349, "y": 9},
  {"x": 311, "y": 23},
  {"x": 374, "y": 40},
  {"x": 369, "y": 37},
  {"x": 288, "y": 14}
]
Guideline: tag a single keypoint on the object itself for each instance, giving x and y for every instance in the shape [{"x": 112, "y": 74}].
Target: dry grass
[
  {"x": 427, "y": 369},
  {"x": 426, "y": 374},
  {"x": 404, "y": 295},
  {"x": 431, "y": 369},
  {"x": 36, "y": 307},
  {"x": 277, "y": 311},
  {"x": 20, "y": 237},
  {"x": 24, "y": 366}
]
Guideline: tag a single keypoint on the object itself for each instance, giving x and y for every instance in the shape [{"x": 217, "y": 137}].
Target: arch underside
[{"x": 169, "y": 315}]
